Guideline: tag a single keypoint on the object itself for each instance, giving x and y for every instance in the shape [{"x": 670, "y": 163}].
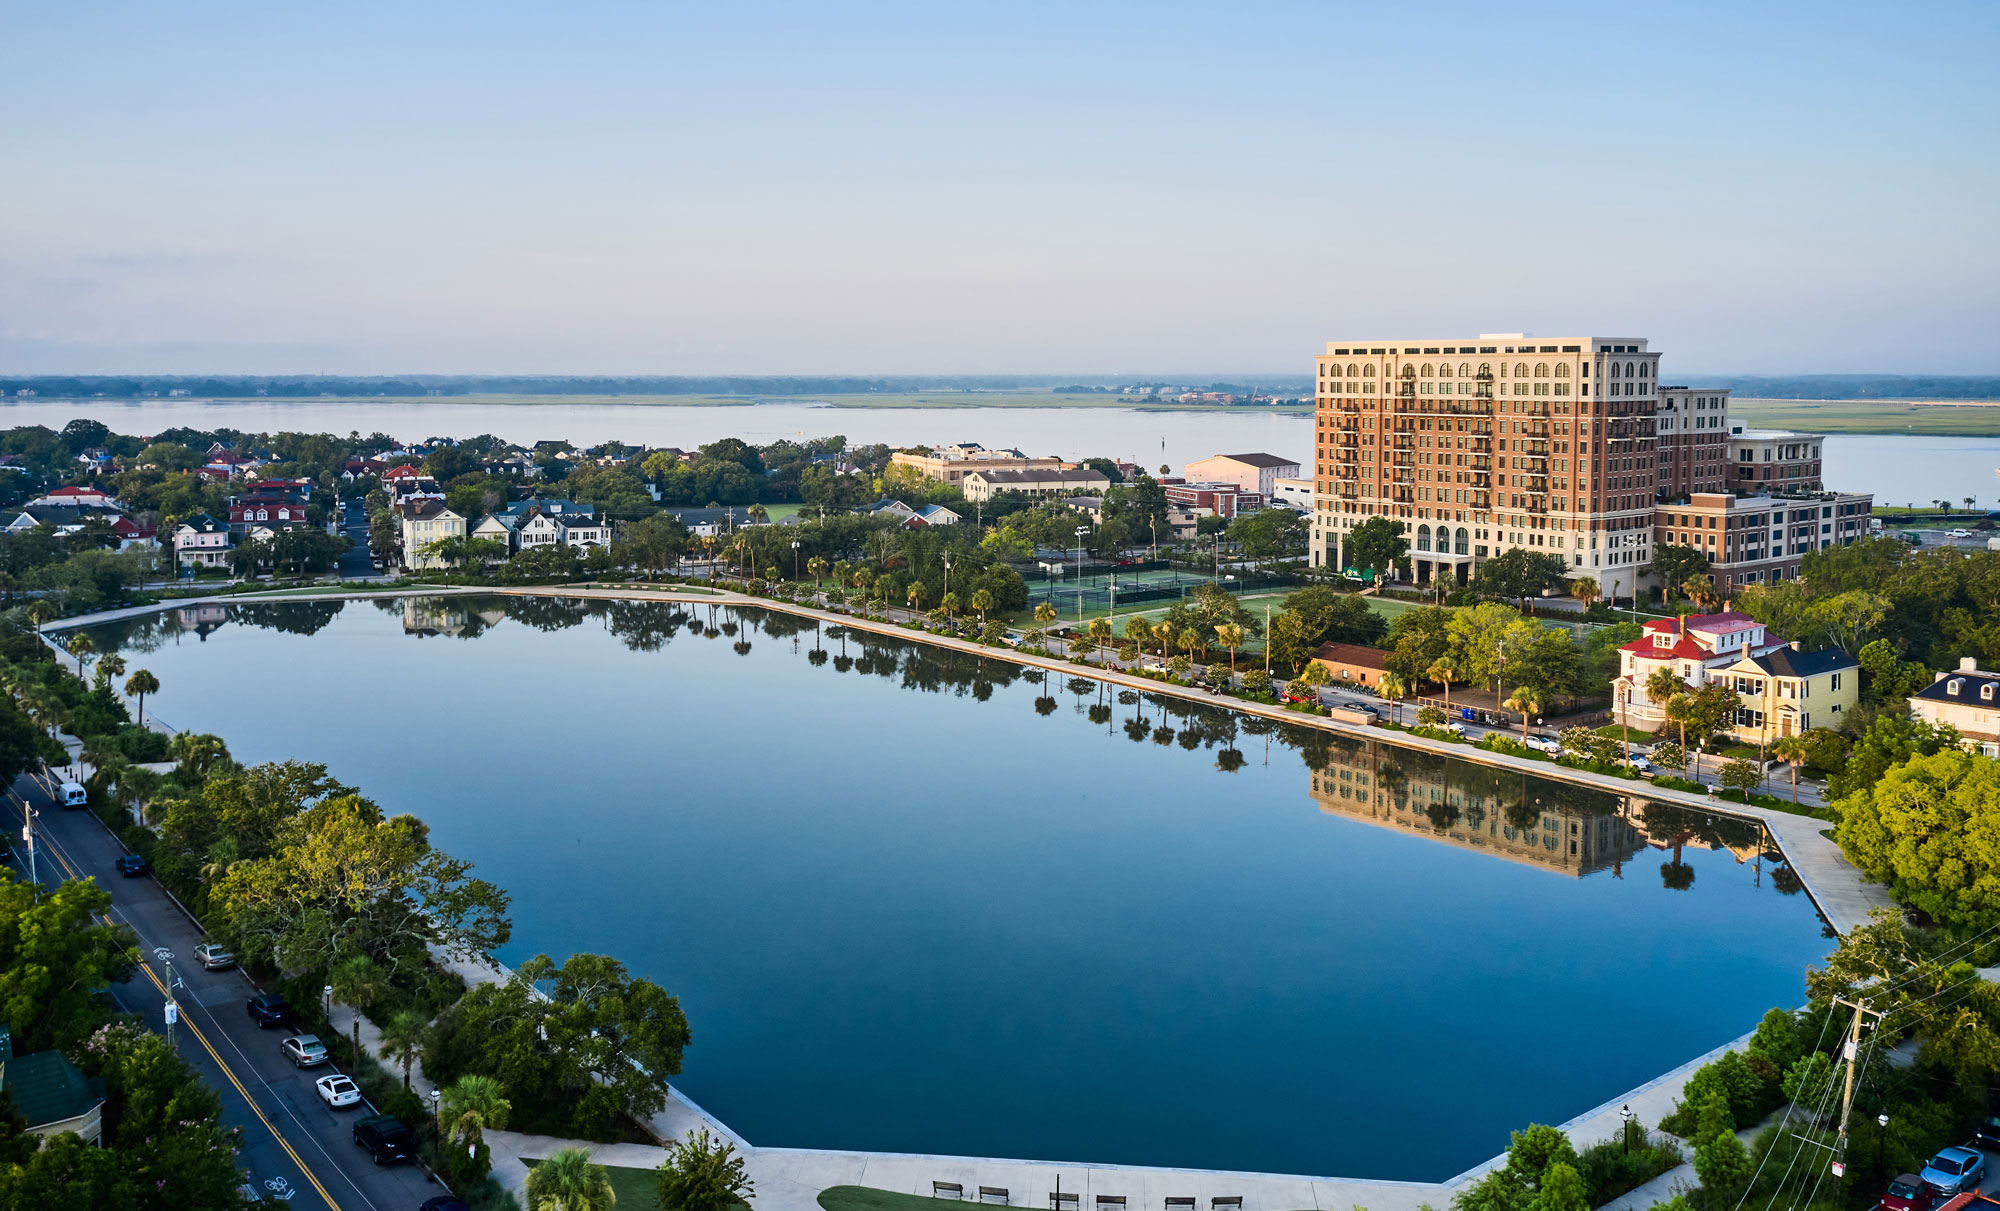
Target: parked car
[
  {"x": 1988, "y": 1134},
  {"x": 213, "y": 957},
  {"x": 1907, "y": 1193},
  {"x": 74, "y": 796},
  {"x": 338, "y": 1091},
  {"x": 1954, "y": 1171},
  {"x": 1543, "y": 744},
  {"x": 386, "y": 1139},
  {"x": 268, "y": 1010},
  {"x": 1958, "y": 533},
  {"x": 132, "y": 866},
  {"x": 444, "y": 1202},
  {"x": 304, "y": 1050},
  {"x": 1643, "y": 767}
]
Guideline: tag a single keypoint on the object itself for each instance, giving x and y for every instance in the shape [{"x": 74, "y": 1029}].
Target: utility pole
[
  {"x": 1850, "y": 1054},
  {"x": 28, "y": 836}
]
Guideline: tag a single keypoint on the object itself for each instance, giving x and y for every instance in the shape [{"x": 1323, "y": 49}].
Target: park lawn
[
  {"x": 637, "y": 1189},
  {"x": 781, "y": 512},
  {"x": 1631, "y": 735}
]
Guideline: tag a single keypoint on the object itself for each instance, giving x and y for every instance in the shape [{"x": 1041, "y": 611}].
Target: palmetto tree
[
  {"x": 1164, "y": 632},
  {"x": 1044, "y": 615},
  {"x": 1701, "y": 591},
  {"x": 1443, "y": 670},
  {"x": 1586, "y": 590},
  {"x": 567, "y": 1181},
  {"x": 1100, "y": 633},
  {"x": 817, "y": 566},
  {"x": 81, "y": 647},
  {"x": 1392, "y": 689},
  {"x": 1525, "y": 701},
  {"x": 1679, "y": 710},
  {"x": 139, "y": 685},
  {"x": 1192, "y": 641},
  {"x": 982, "y": 601},
  {"x": 1792, "y": 751},
  {"x": 950, "y": 604},
  {"x": 403, "y": 1040},
  {"x": 703, "y": 1173},
  {"x": 916, "y": 596},
  {"x": 109, "y": 667},
  {"x": 1230, "y": 635},
  {"x": 473, "y": 1103},
  {"x": 357, "y": 982}
]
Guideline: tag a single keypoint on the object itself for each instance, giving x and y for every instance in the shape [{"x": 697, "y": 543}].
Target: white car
[
  {"x": 1958, "y": 534},
  {"x": 1542, "y": 744},
  {"x": 304, "y": 1050},
  {"x": 337, "y": 1091},
  {"x": 1643, "y": 767}
]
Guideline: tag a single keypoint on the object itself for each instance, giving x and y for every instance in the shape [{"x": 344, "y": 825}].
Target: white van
[{"x": 73, "y": 795}]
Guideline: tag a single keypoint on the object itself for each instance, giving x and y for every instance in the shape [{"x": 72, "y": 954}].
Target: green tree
[
  {"x": 567, "y": 1181},
  {"x": 403, "y": 1040},
  {"x": 1720, "y": 1159},
  {"x": 703, "y": 1173},
  {"x": 1444, "y": 670},
  {"x": 1793, "y": 752},
  {"x": 1673, "y": 566},
  {"x": 138, "y": 685},
  {"x": 1230, "y": 635},
  {"x": 1519, "y": 573},
  {"x": 82, "y": 647},
  {"x": 1377, "y": 545},
  {"x": 1889, "y": 741},
  {"x": 1930, "y": 829},
  {"x": 470, "y": 1105},
  {"x": 1742, "y": 776},
  {"x": 1393, "y": 690},
  {"x": 54, "y": 955}
]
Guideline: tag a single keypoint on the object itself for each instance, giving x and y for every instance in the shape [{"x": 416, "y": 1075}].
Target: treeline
[
  {"x": 1857, "y": 386},
  {"x": 251, "y": 386}
]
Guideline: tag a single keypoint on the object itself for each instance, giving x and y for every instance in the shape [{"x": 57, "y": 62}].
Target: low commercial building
[
  {"x": 1256, "y": 473},
  {"x": 981, "y": 485},
  {"x": 1213, "y": 499},
  {"x": 1968, "y": 700},
  {"x": 1298, "y": 493},
  {"x": 952, "y": 464},
  {"x": 1761, "y": 539},
  {"x": 1352, "y": 663}
]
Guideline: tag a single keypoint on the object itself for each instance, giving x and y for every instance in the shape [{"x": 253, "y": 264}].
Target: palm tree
[
  {"x": 703, "y": 1173},
  {"x": 81, "y": 646},
  {"x": 567, "y": 1181},
  {"x": 1524, "y": 701},
  {"x": 1044, "y": 615},
  {"x": 916, "y": 596},
  {"x": 1392, "y": 689},
  {"x": 1101, "y": 635},
  {"x": 1586, "y": 590},
  {"x": 356, "y": 982},
  {"x": 1792, "y": 751},
  {"x": 981, "y": 600},
  {"x": 403, "y": 1040},
  {"x": 1679, "y": 709},
  {"x": 473, "y": 1103},
  {"x": 1192, "y": 641},
  {"x": 817, "y": 566},
  {"x": 1230, "y": 634},
  {"x": 1164, "y": 632},
  {"x": 949, "y": 603},
  {"x": 109, "y": 667},
  {"x": 1701, "y": 591},
  {"x": 139, "y": 685},
  {"x": 1442, "y": 669},
  {"x": 1138, "y": 631}
]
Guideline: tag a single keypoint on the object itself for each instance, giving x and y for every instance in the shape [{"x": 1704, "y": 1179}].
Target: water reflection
[{"x": 1539, "y": 822}]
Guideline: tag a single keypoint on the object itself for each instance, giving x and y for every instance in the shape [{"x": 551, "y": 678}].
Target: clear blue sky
[{"x": 1017, "y": 187}]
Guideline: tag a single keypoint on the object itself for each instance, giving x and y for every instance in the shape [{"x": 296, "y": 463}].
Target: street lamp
[
  {"x": 795, "y": 559},
  {"x": 1625, "y": 1117},
  {"x": 1080, "y": 532},
  {"x": 437, "y": 1112},
  {"x": 1882, "y": 1144},
  {"x": 326, "y": 995}
]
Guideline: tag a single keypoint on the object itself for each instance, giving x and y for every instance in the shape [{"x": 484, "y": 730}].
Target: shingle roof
[
  {"x": 46, "y": 1088},
  {"x": 1935, "y": 691},
  {"x": 1078, "y": 476},
  {"x": 1259, "y": 460},
  {"x": 1352, "y": 653},
  {"x": 1787, "y": 663}
]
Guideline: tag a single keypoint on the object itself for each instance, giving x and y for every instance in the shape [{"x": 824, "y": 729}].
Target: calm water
[
  {"x": 914, "y": 902},
  {"x": 1898, "y": 469}
]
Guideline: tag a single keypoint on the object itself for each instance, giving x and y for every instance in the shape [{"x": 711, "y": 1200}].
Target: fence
[{"x": 1172, "y": 587}]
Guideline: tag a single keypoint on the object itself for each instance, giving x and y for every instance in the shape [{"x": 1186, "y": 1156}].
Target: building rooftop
[
  {"x": 1255, "y": 460},
  {"x": 46, "y": 1088},
  {"x": 1788, "y": 662}
]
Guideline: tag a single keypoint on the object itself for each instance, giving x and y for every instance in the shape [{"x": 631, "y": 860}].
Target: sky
[{"x": 759, "y": 188}]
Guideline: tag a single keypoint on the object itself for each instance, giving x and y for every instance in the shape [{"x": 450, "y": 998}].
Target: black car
[
  {"x": 132, "y": 866},
  {"x": 444, "y": 1202},
  {"x": 386, "y": 1139},
  {"x": 1988, "y": 1134},
  {"x": 268, "y": 1010}
]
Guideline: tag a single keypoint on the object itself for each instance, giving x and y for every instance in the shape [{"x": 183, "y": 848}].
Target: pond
[{"x": 914, "y": 901}]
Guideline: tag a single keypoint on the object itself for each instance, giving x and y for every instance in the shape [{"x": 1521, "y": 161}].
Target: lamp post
[
  {"x": 437, "y": 1111},
  {"x": 326, "y": 998},
  {"x": 1080, "y": 532},
  {"x": 795, "y": 559},
  {"x": 1882, "y": 1145},
  {"x": 1625, "y": 1118}
]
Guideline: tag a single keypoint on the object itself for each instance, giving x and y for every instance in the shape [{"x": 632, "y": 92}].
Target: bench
[
  {"x": 947, "y": 1190},
  {"x": 994, "y": 1194},
  {"x": 1227, "y": 1200},
  {"x": 1110, "y": 1202},
  {"x": 1180, "y": 1204},
  {"x": 1063, "y": 1202}
]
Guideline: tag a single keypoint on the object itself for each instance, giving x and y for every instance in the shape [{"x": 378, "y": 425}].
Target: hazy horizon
[{"x": 376, "y": 189}]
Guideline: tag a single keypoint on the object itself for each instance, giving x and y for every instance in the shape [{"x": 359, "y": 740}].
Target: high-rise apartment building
[
  {"x": 1481, "y": 445},
  {"x": 1694, "y": 440}
]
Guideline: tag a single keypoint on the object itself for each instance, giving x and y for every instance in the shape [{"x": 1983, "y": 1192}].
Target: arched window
[
  {"x": 1520, "y": 370},
  {"x": 1336, "y": 371},
  {"x": 1541, "y": 369},
  {"x": 1614, "y": 370},
  {"x": 1423, "y": 538},
  {"x": 1427, "y": 370},
  {"x": 1562, "y": 370},
  {"x": 1353, "y": 372},
  {"x": 1645, "y": 369},
  {"x": 1444, "y": 370},
  {"x": 1368, "y": 372},
  {"x": 1630, "y": 370},
  {"x": 1458, "y": 544},
  {"x": 1465, "y": 369}
]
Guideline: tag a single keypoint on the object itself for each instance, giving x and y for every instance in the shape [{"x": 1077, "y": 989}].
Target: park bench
[
  {"x": 1110, "y": 1202},
  {"x": 1233, "y": 1201},
  {"x": 1180, "y": 1204},
  {"x": 995, "y": 1194},
  {"x": 947, "y": 1190}
]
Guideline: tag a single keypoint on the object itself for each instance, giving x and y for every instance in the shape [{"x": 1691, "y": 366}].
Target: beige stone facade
[
  {"x": 951, "y": 464},
  {"x": 1773, "y": 460},
  {"x": 1484, "y": 444}
]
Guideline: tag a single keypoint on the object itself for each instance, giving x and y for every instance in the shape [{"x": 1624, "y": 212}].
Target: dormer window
[
  {"x": 1951, "y": 687},
  {"x": 1986, "y": 692}
]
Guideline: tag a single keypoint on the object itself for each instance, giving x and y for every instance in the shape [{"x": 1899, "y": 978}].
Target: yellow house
[
  {"x": 425, "y": 521},
  {"x": 1968, "y": 700},
  {"x": 1785, "y": 691}
]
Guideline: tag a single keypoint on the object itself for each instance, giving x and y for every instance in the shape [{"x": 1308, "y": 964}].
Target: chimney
[
  {"x": 1794, "y": 645},
  {"x": 1968, "y": 664}
]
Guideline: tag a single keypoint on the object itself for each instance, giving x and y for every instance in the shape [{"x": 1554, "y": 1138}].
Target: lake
[
  {"x": 914, "y": 901},
  {"x": 1895, "y": 468}
]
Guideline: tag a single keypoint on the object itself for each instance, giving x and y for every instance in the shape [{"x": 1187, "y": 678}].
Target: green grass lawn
[
  {"x": 1631, "y": 735},
  {"x": 636, "y": 1188}
]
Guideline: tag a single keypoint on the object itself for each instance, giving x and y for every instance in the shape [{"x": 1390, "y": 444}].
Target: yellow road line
[{"x": 214, "y": 1055}]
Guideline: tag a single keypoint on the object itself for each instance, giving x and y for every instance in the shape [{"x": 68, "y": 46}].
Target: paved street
[{"x": 294, "y": 1147}]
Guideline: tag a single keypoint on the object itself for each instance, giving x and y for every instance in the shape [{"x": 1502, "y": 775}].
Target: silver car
[
  {"x": 213, "y": 957},
  {"x": 304, "y": 1050}
]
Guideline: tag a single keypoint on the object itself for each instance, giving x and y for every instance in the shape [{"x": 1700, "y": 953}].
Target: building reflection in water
[{"x": 1576, "y": 830}]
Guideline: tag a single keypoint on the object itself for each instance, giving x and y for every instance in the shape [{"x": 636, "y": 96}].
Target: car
[
  {"x": 338, "y": 1090},
  {"x": 1542, "y": 744},
  {"x": 132, "y": 866},
  {"x": 1987, "y": 1135},
  {"x": 444, "y": 1202},
  {"x": 268, "y": 1010},
  {"x": 304, "y": 1050},
  {"x": 1643, "y": 767},
  {"x": 387, "y": 1140},
  {"x": 1954, "y": 1171},
  {"x": 1958, "y": 533},
  {"x": 213, "y": 957},
  {"x": 1907, "y": 1193}
]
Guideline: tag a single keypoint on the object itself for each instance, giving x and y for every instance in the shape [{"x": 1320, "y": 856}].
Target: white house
[{"x": 201, "y": 541}]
